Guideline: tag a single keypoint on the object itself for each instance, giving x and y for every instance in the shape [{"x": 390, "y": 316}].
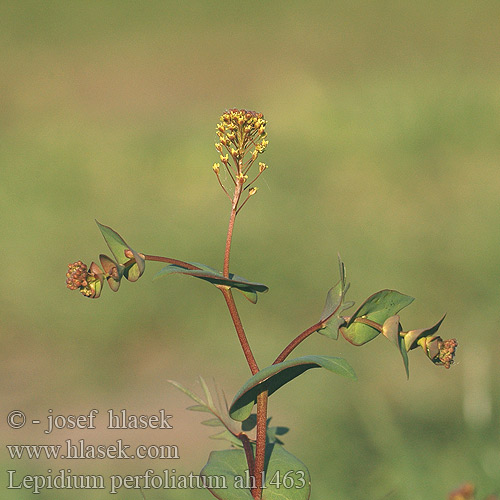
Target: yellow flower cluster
[{"x": 241, "y": 133}]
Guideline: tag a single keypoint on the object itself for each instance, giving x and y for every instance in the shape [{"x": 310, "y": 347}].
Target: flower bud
[{"x": 89, "y": 282}]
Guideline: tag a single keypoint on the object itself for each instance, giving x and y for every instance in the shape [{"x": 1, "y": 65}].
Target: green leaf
[
  {"x": 331, "y": 330},
  {"x": 210, "y": 401},
  {"x": 336, "y": 294},
  {"x": 273, "y": 377},
  {"x": 250, "y": 295},
  {"x": 221, "y": 417},
  {"x": 134, "y": 270},
  {"x": 378, "y": 308},
  {"x": 213, "y": 422},
  {"x": 286, "y": 477},
  {"x": 248, "y": 288},
  {"x": 113, "y": 271},
  {"x": 191, "y": 395},
  {"x": 204, "y": 408},
  {"x": 225, "y": 435},
  {"x": 391, "y": 329},
  {"x": 250, "y": 423},
  {"x": 97, "y": 285},
  {"x": 334, "y": 306},
  {"x": 412, "y": 336},
  {"x": 274, "y": 432}
]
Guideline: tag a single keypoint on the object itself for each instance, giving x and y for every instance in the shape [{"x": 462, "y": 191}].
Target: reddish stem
[
  {"x": 168, "y": 260},
  {"x": 260, "y": 447},
  {"x": 232, "y": 218},
  {"x": 314, "y": 328},
  {"x": 369, "y": 322},
  {"x": 247, "y": 446},
  {"x": 296, "y": 341},
  {"x": 233, "y": 311},
  {"x": 255, "y": 467}
]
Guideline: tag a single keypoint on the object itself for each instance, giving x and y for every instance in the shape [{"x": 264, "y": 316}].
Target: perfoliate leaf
[
  {"x": 412, "y": 336},
  {"x": 333, "y": 300},
  {"x": 286, "y": 477},
  {"x": 248, "y": 288},
  {"x": 132, "y": 270},
  {"x": 391, "y": 329},
  {"x": 404, "y": 355},
  {"x": 115, "y": 243},
  {"x": 113, "y": 272},
  {"x": 335, "y": 305},
  {"x": 275, "y": 376},
  {"x": 331, "y": 329},
  {"x": 97, "y": 285},
  {"x": 377, "y": 308}
]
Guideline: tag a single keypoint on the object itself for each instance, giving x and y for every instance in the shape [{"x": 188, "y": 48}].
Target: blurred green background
[{"x": 384, "y": 130}]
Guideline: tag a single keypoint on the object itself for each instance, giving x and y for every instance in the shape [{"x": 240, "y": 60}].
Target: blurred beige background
[{"x": 384, "y": 130}]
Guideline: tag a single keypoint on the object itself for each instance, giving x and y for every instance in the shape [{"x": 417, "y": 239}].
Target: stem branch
[
  {"x": 168, "y": 260},
  {"x": 248, "y": 453},
  {"x": 296, "y": 341}
]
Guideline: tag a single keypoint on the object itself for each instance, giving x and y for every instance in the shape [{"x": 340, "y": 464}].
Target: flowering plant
[{"x": 257, "y": 465}]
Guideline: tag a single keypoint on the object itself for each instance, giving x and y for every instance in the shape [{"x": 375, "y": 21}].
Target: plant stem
[
  {"x": 255, "y": 467},
  {"x": 260, "y": 447},
  {"x": 168, "y": 260},
  {"x": 233, "y": 311},
  {"x": 232, "y": 218},
  {"x": 248, "y": 453},
  {"x": 314, "y": 328},
  {"x": 369, "y": 322},
  {"x": 296, "y": 341}
]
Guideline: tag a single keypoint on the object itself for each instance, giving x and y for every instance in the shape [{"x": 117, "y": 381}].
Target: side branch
[
  {"x": 296, "y": 341},
  {"x": 176, "y": 262}
]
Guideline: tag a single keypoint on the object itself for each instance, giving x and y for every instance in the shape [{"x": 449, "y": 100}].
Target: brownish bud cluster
[
  {"x": 440, "y": 352},
  {"x": 447, "y": 350},
  {"x": 89, "y": 282},
  {"x": 77, "y": 275}
]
